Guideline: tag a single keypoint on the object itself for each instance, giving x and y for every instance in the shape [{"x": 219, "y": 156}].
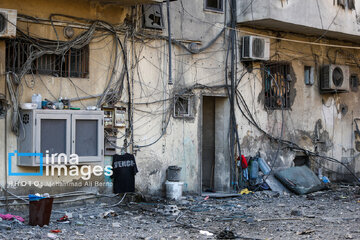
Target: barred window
[
  {"x": 74, "y": 63},
  {"x": 277, "y": 80},
  {"x": 183, "y": 105}
]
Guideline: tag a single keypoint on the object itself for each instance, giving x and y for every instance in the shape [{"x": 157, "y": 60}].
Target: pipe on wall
[{"x": 169, "y": 33}]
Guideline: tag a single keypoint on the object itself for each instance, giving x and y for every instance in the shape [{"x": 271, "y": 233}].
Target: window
[
  {"x": 277, "y": 80},
  {"x": 74, "y": 63},
  {"x": 182, "y": 107},
  {"x": 215, "y": 5},
  {"x": 309, "y": 75},
  {"x": 354, "y": 82},
  {"x": 350, "y": 4},
  {"x": 152, "y": 16}
]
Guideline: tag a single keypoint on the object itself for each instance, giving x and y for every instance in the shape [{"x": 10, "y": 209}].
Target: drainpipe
[
  {"x": 234, "y": 136},
  {"x": 169, "y": 40},
  {"x": 5, "y": 151}
]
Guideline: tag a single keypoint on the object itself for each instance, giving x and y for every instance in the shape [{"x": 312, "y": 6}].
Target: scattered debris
[
  {"x": 79, "y": 223},
  {"x": 278, "y": 219},
  {"x": 245, "y": 191},
  {"x": 52, "y": 236},
  {"x": 169, "y": 210},
  {"x": 296, "y": 213},
  {"x": 226, "y": 234},
  {"x": 69, "y": 215},
  {"x": 206, "y": 233},
  {"x": 309, "y": 231},
  {"x": 261, "y": 215},
  {"x": 5, "y": 227},
  {"x": 11, "y": 217},
  {"x": 110, "y": 213},
  {"x": 325, "y": 179},
  {"x": 275, "y": 185},
  {"x": 63, "y": 219},
  {"x": 349, "y": 236},
  {"x": 116, "y": 225}
]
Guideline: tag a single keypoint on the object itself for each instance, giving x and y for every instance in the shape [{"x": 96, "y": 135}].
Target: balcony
[
  {"x": 127, "y": 2},
  {"x": 309, "y": 17}
]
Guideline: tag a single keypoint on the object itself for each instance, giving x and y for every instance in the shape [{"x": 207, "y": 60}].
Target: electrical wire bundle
[{"x": 244, "y": 109}]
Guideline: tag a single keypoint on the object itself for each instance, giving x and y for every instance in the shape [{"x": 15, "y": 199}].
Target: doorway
[{"x": 215, "y": 147}]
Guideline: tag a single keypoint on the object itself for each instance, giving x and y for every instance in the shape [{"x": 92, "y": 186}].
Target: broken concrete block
[
  {"x": 275, "y": 185},
  {"x": 300, "y": 180}
]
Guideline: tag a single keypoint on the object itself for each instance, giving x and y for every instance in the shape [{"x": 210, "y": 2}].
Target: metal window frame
[
  {"x": 277, "y": 85},
  {"x": 17, "y": 52},
  {"x": 218, "y": 10},
  {"x": 190, "y": 99},
  {"x": 56, "y": 116},
  {"x": 143, "y": 18},
  {"x": 100, "y": 136}
]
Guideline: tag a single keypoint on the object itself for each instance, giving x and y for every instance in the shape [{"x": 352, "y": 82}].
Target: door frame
[{"x": 200, "y": 135}]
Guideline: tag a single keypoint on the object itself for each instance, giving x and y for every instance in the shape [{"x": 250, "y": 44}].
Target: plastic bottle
[
  {"x": 36, "y": 98},
  {"x": 254, "y": 169},
  {"x": 264, "y": 167}
]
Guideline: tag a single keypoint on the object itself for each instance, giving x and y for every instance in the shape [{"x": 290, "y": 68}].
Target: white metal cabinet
[
  {"x": 86, "y": 142},
  {"x": 61, "y": 131}
]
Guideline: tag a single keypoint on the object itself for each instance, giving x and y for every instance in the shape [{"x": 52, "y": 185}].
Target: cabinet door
[
  {"x": 88, "y": 137},
  {"x": 52, "y": 134}
]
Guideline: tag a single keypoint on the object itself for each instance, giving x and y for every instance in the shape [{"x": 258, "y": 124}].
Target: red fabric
[{"x": 244, "y": 163}]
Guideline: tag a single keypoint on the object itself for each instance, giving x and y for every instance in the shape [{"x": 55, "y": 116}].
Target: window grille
[
  {"x": 277, "y": 80},
  {"x": 74, "y": 63},
  {"x": 182, "y": 106}
]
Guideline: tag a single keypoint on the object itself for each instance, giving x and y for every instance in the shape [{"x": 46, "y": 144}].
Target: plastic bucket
[
  {"x": 40, "y": 212},
  {"x": 173, "y": 173},
  {"x": 174, "y": 190}
]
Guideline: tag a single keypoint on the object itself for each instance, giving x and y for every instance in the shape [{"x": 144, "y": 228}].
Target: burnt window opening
[
  {"x": 74, "y": 63},
  {"x": 277, "y": 80},
  {"x": 3, "y": 20},
  {"x": 183, "y": 106},
  {"x": 152, "y": 16},
  {"x": 214, "y": 5},
  {"x": 350, "y": 4},
  {"x": 301, "y": 160},
  {"x": 354, "y": 82}
]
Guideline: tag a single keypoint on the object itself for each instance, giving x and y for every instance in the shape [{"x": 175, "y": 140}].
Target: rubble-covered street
[{"x": 330, "y": 214}]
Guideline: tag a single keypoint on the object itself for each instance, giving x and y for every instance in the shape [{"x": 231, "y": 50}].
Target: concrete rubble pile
[{"x": 329, "y": 214}]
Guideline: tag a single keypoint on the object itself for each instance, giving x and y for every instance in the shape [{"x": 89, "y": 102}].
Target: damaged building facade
[{"x": 286, "y": 72}]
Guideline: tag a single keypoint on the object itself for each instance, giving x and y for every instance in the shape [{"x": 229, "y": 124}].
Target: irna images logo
[
  {"x": 59, "y": 165},
  {"x": 10, "y": 155}
]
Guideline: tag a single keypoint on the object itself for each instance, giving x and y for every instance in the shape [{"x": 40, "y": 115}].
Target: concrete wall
[
  {"x": 181, "y": 143},
  {"x": 316, "y": 122},
  {"x": 153, "y": 97},
  {"x": 101, "y": 58},
  {"x": 303, "y": 16}
]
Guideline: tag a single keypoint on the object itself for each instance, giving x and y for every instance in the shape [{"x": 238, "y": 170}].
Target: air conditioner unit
[
  {"x": 8, "y": 23},
  {"x": 255, "y": 48},
  {"x": 334, "y": 78}
]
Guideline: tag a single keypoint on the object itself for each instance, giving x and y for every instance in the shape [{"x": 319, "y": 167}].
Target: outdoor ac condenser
[
  {"x": 8, "y": 19},
  {"x": 61, "y": 131},
  {"x": 255, "y": 48},
  {"x": 334, "y": 78}
]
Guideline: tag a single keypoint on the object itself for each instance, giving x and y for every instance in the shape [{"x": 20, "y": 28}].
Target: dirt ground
[{"x": 330, "y": 214}]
